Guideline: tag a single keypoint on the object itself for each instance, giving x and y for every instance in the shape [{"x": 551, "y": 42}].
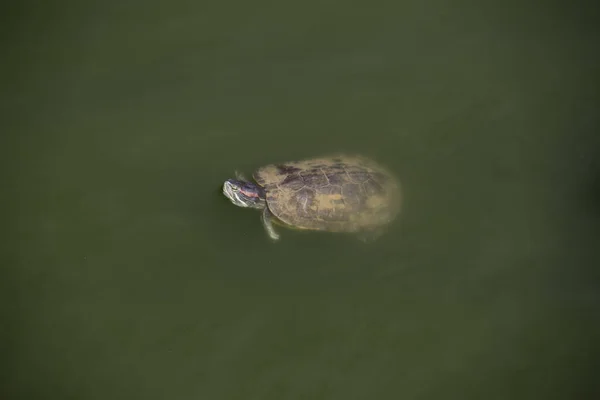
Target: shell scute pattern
[
  {"x": 334, "y": 194},
  {"x": 315, "y": 178},
  {"x": 293, "y": 181},
  {"x": 373, "y": 188}
]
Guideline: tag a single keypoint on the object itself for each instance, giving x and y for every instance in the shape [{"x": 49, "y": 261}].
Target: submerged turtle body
[
  {"x": 338, "y": 194},
  {"x": 335, "y": 194}
]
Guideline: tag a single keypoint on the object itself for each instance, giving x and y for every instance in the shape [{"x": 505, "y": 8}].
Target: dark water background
[{"x": 128, "y": 275}]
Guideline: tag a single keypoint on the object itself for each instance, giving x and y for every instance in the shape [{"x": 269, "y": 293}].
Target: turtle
[{"x": 337, "y": 193}]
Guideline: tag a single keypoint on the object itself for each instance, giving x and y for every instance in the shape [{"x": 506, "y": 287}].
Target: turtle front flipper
[
  {"x": 240, "y": 176},
  {"x": 266, "y": 218}
]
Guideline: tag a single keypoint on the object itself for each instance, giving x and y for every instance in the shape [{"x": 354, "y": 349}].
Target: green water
[{"x": 129, "y": 275}]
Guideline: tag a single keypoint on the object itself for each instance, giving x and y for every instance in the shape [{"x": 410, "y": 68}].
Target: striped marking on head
[{"x": 249, "y": 193}]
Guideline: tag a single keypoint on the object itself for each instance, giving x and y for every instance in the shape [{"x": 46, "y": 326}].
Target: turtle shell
[{"x": 336, "y": 194}]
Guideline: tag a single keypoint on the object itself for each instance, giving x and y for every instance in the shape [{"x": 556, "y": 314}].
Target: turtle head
[{"x": 244, "y": 194}]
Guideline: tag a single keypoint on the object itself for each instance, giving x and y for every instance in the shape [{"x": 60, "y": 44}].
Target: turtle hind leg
[
  {"x": 266, "y": 219},
  {"x": 370, "y": 236}
]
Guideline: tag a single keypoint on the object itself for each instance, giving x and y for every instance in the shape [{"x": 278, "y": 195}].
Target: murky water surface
[{"x": 131, "y": 276}]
